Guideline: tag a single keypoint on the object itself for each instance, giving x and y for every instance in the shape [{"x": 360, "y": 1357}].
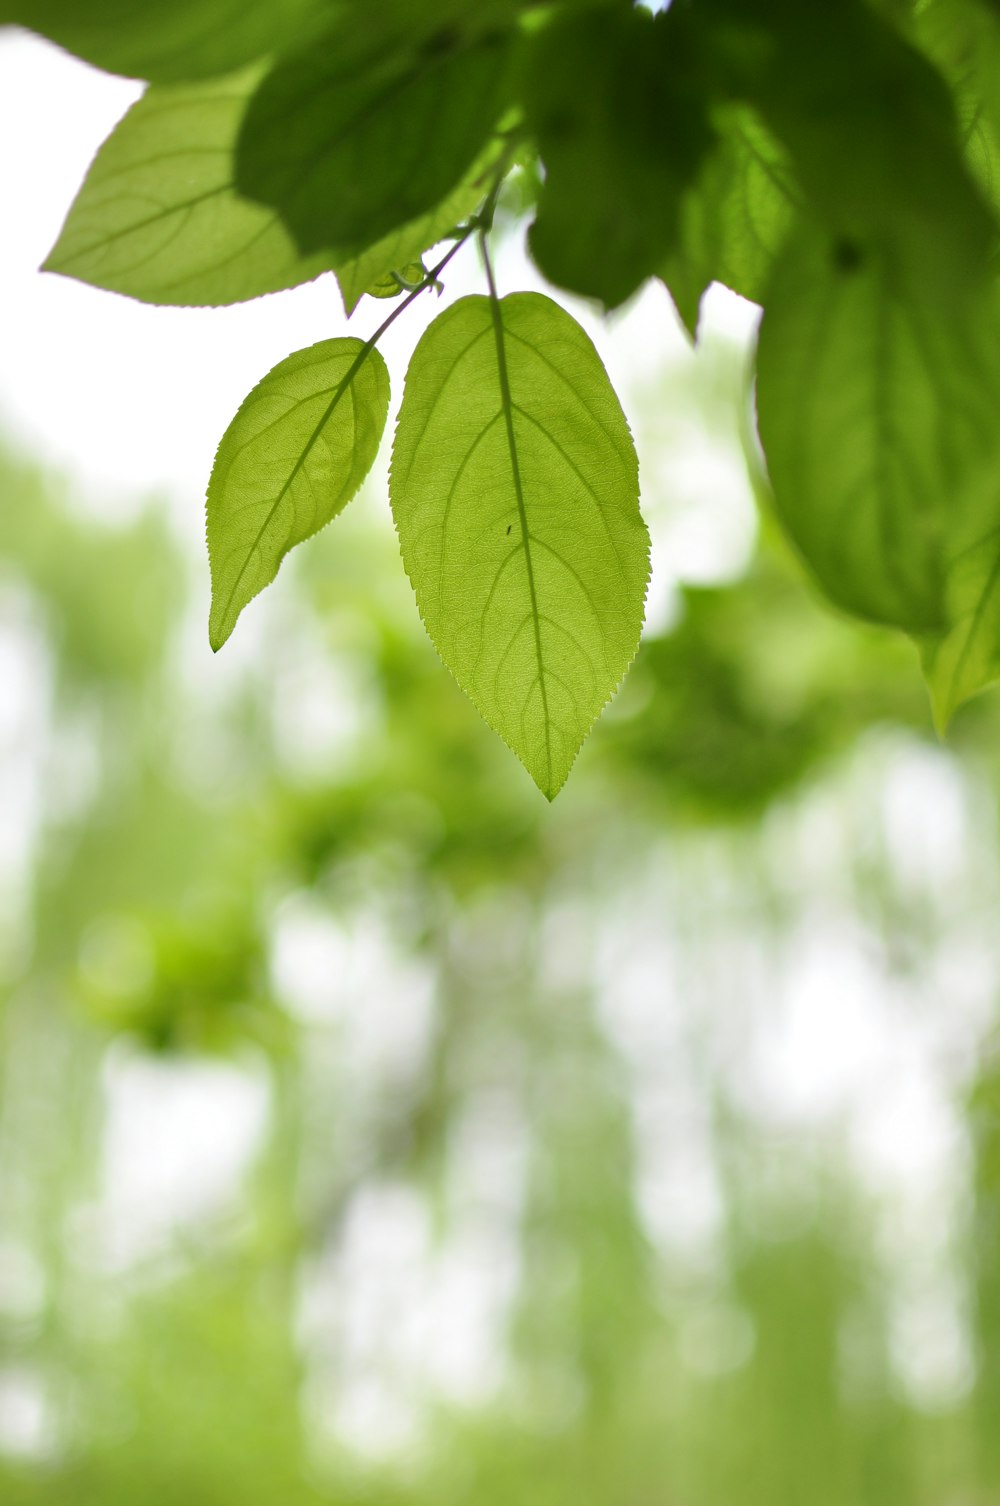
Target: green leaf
[
  {"x": 167, "y": 41},
  {"x": 158, "y": 217},
  {"x": 964, "y": 660},
  {"x": 292, "y": 458},
  {"x": 349, "y": 149},
  {"x": 963, "y": 39},
  {"x": 620, "y": 137},
  {"x": 514, "y": 487},
  {"x": 406, "y": 245},
  {"x": 877, "y": 403},
  {"x": 734, "y": 218}
]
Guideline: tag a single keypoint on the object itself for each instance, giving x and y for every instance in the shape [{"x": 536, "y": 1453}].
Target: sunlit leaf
[
  {"x": 964, "y": 660},
  {"x": 292, "y": 458},
  {"x": 357, "y": 275},
  {"x": 168, "y": 41},
  {"x": 878, "y": 414},
  {"x": 349, "y": 149},
  {"x": 514, "y": 487},
  {"x": 158, "y": 217}
]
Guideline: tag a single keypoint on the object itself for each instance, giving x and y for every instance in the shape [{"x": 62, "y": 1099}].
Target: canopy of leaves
[{"x": 837, "y": 164}]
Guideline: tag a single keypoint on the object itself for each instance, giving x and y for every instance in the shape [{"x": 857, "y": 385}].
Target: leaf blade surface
[{"x": 519, "y": 521}]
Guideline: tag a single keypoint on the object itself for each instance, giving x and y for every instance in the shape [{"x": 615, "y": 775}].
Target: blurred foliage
[{"x": 184, "y": 825}]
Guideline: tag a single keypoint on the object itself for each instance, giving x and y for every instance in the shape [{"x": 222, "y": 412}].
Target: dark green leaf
[
  {"x": 878, "y": 410},
  {"x": 158, "y": 217},
  {"x": 357, "y": 275},
  {"x": 514, "y": 487},
  {"x": 620, "y": 137},
  {"x": 292, "y": 458},
  {"x": 734, "y": 218},
  {"x": 349, "y": 149},
  {"x": 168, "y": 41}
]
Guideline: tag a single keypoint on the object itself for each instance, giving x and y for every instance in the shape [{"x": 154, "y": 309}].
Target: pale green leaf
[
  {"x": 964, "y": 660},
  {"x": 158, "y": 217},
  {"x": 292, "y": 458},
  {"x": 877, "y": 402},
  {"x": 514, "y": 487}
]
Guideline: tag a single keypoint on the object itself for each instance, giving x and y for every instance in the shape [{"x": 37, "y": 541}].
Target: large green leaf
[
  {"x": 878, "y": 407},
  {"x": 734, "y": 218},
  {"x": 963, "y": 38},
  {"x": 168, "y": 41},
  {"x": 350, "y": 148},
  {"x": 620, "y": 136},
  {"x": 158, "y": 217},
  {"x": 292, "y": 458},
  {"x": 514, "y": 487}
]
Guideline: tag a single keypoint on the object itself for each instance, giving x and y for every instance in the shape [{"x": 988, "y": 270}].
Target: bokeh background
[{"x": 372, "y": 1132}]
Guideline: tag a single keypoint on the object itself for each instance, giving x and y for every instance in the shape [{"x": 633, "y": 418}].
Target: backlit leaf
[
  {"x": 349, "y": 149},
  {"x": 168, "y": 41},
  {"x": 734, "y": 218},
  {"x": 407, "y": 244},
  {"x": 965, "y": 659},
  {"x": 514, "y": 487},
  {"x": 620, "y": 138},
  {"x": 292, "y": 458},
  {"x": 878, "y": 408},
  {"x": 158, "y": 217}
]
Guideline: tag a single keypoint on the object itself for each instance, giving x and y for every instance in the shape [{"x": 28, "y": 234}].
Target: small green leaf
[
  {"x": 167, "y": 41},
  {"x": 349, "y": 149},
  {"x": 292, "y": 458},
  {"x": 877, "y": 405},
  {"x": 620, "y": 137},
  {"x": 734, "y": 218},
  {"x": 965, "y": 659},
  {"x": 514, "y": 487},
  {"x": 158, "y": 217}
]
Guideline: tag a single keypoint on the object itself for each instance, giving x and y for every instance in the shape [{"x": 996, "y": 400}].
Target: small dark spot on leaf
[
  {"x": 847, "y": 255},
  {"x": 444, "y": 40},
  {"x": 509, "y": 527}
]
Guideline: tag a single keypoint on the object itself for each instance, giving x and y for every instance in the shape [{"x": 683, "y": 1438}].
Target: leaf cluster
[{"x": 839, "y": 165}]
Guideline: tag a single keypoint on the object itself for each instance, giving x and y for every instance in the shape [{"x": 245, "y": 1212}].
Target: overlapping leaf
[
  {"x": 734, "y": 218},
  {"x": 349, "y": 148},
  {"x": 158, "y": 217},
  {"x": 168, "y": 41},
  {"x": 878, "y": 411},
  {"x": 358, "y": 274},
  {"x": 514, "y": 487},
  {"x": 620, "y": 137},
  {"x": 292, "y": 458}
]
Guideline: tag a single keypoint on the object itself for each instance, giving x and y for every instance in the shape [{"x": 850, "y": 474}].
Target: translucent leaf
[
  {"x": 734, "y": 218},
  {"x": 964, "y": 660},
  {"x": 292, "y": 458},
  {"x": 877, "y": 404},
  {"x": 167, "y": 41},
  {"x": 349, "y": 148},
  {"x": 158, "y": 217},
  {"x": 514, "y": 487}
]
